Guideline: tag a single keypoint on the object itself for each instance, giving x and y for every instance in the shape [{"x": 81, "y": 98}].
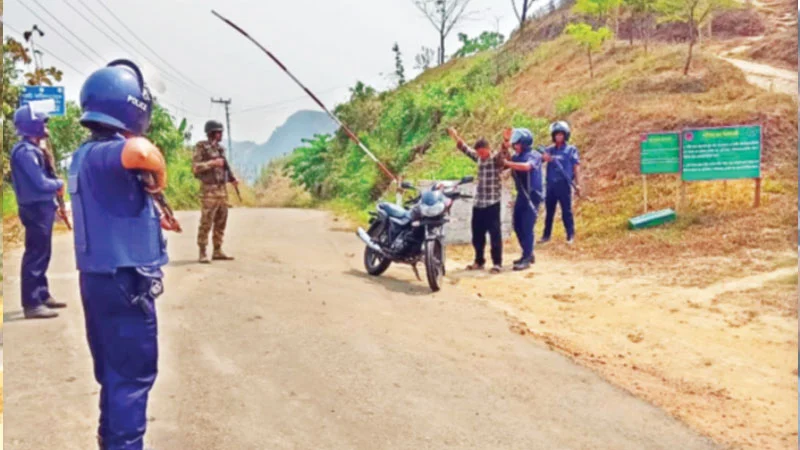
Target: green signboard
[
  {"x": 722, "y": 153},
  {"x": 660, "y": 153}
]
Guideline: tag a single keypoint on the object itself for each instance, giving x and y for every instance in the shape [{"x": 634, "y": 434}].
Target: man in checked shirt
[{"x": 486, "y": 206}]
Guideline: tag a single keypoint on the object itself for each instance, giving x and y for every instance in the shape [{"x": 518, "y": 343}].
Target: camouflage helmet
[{"x": 212, "y": 126}]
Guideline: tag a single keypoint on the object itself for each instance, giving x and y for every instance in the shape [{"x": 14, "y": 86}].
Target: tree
[
  {"x": 641, "y": 17},
  {"x": 43, "y": 76},
  {"x": 399, "y": 70},
  {"x": 599, "y": 10},
  {"x": 589, "y": 38},
  {"x": 522, "y": 12},
  {"x": 694, "y": 13},
  {"x": 164, "y": 133},
  {"x": 309, "y": 165},
  {"x": 424, "y": 59},
  {"x": 361, "y": 91},
  {"x": 15, "y": 55},
  {"x": 486, "y": 41},
  {"x": 66, "y": 132},
  {"x": 443, "y": 15}
]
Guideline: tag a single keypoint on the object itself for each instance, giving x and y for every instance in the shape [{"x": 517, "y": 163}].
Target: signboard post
[
  {"x": 659, "y": 153},
  {"x": 725, "y": 153},
  {"x": 37, "y": 93}
]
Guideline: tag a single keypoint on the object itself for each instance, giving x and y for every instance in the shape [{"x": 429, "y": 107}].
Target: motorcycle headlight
[{"x": 432, "y": 210}]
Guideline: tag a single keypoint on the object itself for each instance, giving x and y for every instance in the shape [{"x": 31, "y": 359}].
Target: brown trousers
[{"x": 214, "y": 214}]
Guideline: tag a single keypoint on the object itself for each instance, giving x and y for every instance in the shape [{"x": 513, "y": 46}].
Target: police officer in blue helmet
[
  {"x": 563, "y": 162},
  {"x": 119, "y": 247},
  {"x": 36, "y": 191},
  {"x": 526, "y": 166}
]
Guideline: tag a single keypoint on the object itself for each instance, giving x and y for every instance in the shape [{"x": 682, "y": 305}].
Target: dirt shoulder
[
  {"x": 767, "y": 77},
  {"x": 720, "y": 357}
]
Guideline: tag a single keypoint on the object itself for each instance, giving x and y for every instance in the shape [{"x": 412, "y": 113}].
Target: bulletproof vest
[
  {"x": 561, "y": 157},
  {"x": 216, "y": 175},
  {"x": 25, "y": 189},
  {"x": 530, "y": 182},
  {"x": 115, "y": 222}
]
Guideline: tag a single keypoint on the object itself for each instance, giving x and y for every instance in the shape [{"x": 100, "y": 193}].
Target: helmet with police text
[
  {"x": 116, "y": 97},
  {"x": 560, "y": 127},
  {"x": 522, "y": 136},
  {"x": 30, "y": 123},
  {"x": 212, "y": 126}
]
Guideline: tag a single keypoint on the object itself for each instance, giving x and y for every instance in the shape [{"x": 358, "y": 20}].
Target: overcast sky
[{"x": 329, "y": 45}]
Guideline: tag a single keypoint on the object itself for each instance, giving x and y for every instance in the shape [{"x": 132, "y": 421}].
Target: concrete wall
[{"x": 459, "y": 229}]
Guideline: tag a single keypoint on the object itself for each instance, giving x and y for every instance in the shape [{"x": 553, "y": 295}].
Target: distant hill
[{"x": 249, "y": 157}]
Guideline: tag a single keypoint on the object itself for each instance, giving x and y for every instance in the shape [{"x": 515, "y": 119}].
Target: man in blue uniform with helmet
[
  {"x": 119, "y": 247},
  {"x": 563, "y": 163},
  {"x": 36, "y": 192},
  {"x": 526, "y": 165}
]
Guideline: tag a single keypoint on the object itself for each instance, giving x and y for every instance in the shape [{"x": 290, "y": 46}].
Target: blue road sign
[{"x": 33, "y": 93}]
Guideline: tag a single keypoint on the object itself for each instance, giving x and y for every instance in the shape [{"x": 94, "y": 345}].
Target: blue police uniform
[
  {"x": 529, "y": 197},
  {"x": 119, "y": 250},
  {"x": 35, "y": 192},
  {"x": 560, "y": 175}
]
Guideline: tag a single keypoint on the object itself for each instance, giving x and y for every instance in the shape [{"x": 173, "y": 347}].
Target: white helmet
[{"x": 560, "y": 127}]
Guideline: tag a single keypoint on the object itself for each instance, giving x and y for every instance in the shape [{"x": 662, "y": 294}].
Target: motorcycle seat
[{"x": 394, "y": 211}]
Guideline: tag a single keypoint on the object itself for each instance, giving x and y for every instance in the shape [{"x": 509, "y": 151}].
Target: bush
[
  {"x": 568, "y": 104},
  {"x": 401, "y": 125}
]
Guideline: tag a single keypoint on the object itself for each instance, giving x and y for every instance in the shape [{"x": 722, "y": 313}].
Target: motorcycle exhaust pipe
[{"x": 368, "y": 240}]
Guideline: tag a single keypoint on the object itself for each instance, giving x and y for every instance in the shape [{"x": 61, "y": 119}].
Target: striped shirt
[{"x": 489, "y": 190}]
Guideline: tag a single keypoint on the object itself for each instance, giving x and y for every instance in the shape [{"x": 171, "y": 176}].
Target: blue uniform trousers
[
  {"x": 121, "y": 328},
  {"x": 37, "y": 218},
  {"x": 559, "y": 193},
  {"x": 524, "y": 220}
]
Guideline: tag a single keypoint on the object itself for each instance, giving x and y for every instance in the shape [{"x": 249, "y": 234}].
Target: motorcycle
[{"x": 412, "y": 233}]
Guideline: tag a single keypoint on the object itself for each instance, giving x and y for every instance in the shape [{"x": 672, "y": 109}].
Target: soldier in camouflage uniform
[{"x": 211, "y": 168}]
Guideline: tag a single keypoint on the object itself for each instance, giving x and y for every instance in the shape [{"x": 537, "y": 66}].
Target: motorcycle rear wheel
[{"x": 374, "y": 262}]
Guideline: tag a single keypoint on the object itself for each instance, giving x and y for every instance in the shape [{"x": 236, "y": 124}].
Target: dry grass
[
  {"x": 633, "y": 93},
  {"x": 276, "y": 190},
  {"x": 779, "y": 49}
]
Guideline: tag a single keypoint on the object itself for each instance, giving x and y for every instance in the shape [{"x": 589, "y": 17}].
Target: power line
[
  {"x": 6, "y": 25},
  {"x": 82, "y": 73},
  {"x": 181, "y": 109},
  {"x": 147, "y": 46},
  {"x": 130, "y": 47},
  {"x": 55, "y": 30},
  {"x": 283, "y": 102}
]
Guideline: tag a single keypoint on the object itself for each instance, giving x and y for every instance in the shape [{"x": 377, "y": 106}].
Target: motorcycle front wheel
[
  {"x": 434, "y": 263},
  {"x": 373, "y": 261}
]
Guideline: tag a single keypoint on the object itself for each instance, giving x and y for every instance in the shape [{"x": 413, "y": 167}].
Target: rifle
[
  {"x": 149, "y": 182},
  {"x": 229, "y": 175},
  {"x": 50, "y": 168},
  {"x": 541, "y": 149}
]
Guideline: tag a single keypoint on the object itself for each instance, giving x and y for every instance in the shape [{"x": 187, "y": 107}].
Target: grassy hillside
[
  {"x": 634, "y": 93},
  {"x": 531, "y": 84}
]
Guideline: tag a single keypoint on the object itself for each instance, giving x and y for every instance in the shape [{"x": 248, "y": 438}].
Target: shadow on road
[
  {"x": 183, "y": 263},
  {"x": 414, "y": 287},
  {"x": 13, "y": 316}
]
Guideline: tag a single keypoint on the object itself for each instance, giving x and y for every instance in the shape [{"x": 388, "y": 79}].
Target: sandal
[
  {"x": 475, "y": 266},
  {"x": 495, "y": 270}
]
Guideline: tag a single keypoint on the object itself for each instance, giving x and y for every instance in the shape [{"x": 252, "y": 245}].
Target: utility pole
[{"x": 227, "y": 103}]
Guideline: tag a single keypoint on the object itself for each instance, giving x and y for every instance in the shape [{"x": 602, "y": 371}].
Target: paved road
[{"x": 291, "y": 346}]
